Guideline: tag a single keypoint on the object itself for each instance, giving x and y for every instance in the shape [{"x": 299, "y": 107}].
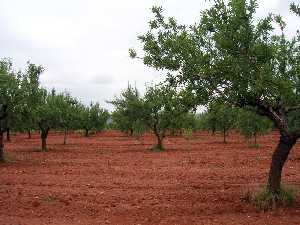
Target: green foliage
[
  {"x": 128, "y": 113},
  {"x": 161, "y": 109},
  {"x": 251, "y": 125},
  {"x": 226, "y": 56},
  {"x": 295, "y": 8},
  {"x": 188, "y": 133},
  {"x": 264, "y": 200},
  {"x": 164, "y": 109},
  {"x": 93, "y": 117},
  {"x": 219, "y": 117}
]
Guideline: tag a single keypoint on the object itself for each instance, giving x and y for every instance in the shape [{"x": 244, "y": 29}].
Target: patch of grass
[
  {"x": 49, "y": 199},
  {"x": 253, "y": 145},
  {"x": 7, "y": 159},
  {"x": 188, "y": 133},
  {"x": 265, "y": 200},
  {"x": 157, "y": 149}
]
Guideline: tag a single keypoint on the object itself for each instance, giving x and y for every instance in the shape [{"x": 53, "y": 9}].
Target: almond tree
[
  {"x": 93, "y": 117},
  {"x": 228, "y": 56},
  {"x": 251, "y": 125},
  {"x": 163, "y": 109},
  {"x": 128, "y": 110}
]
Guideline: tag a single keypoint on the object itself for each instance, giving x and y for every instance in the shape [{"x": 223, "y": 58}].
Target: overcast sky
[{"x": 83, "y": 44}]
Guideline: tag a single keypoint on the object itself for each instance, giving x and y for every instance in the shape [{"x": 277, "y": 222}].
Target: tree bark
[
  {"x": 160, "y": 143},
  {"x": 65, "y": 136},
  {"x": 160, "y": 138},
  {"x": 86, "y": 133},
  {"x": 29, "y": 133},
  {"x": 44, "y": 135},
  {"x": 279, "y": 157},
  {"x": 224, "y": 135},
  {"x": 1, "y": 147},
  {"x": 8, "y": 134},
  {"x": 131, "y": 132}
]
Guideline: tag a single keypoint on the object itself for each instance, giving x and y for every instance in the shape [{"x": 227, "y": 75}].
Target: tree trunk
[
  {"x": 279, "y": 157},
  {"x": 131, "y": 132},
  {"x": 213, "y": 131},
  {"x": 8, "y": 134},
  {"x": 65, "y": 136},
  {"x": 86, "y": 133},
  {"x": 1, "y": 147},
  {"x": 29, "y": 133},
  {"x": 44, "y": 135},
  {"x": 255, "y": 138},
  {"x": 224, "y": 135},
  {"x": 159, "y": 145}
]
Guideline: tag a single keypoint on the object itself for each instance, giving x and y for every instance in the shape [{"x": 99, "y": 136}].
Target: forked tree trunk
[
  {"x": 279, "y": 157},
  {"x": 8, "y": 135},
  {"x": 1, "y": 147}
]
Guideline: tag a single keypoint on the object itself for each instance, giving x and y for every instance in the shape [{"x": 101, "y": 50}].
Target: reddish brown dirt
[{"x": 114, "y": 179}]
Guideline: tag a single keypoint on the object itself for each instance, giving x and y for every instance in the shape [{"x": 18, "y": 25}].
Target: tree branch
[{"x": 292, "y": 108}]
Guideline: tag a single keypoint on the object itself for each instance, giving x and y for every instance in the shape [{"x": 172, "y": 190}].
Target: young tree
[
  {"x": 47, "y": 116},
  {"x": 227, "y": 56},
  {"x": 128, "y": 108},
  {"x": 93, "y": 117},
  {"x": 220, "y": 117},
  {"x": 163, "y": 110},
  {"x": 33, "y": 97},
  {"x": 66, "y": 110}
]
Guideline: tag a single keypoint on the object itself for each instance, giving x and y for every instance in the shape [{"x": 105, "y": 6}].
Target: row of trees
[
  {"x": 223, "y": 118},
  {"x": 164, "y": 110},
  {"x": 27, "y": 106}
]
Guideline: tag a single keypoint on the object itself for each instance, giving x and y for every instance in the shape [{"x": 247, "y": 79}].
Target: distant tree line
[{"x": 25, "y": 106}]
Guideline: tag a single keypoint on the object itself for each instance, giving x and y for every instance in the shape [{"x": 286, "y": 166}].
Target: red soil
[{"x": 114, "y": 179}]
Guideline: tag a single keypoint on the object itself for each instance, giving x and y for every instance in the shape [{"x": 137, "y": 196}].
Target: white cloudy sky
[{"x": 83, "y": 44}]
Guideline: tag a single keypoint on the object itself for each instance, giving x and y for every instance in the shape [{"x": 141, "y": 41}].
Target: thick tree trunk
[
  {"x": 29, "y": 133},
  {"x": 86, "y": 133},
  {"x": 279, "y": 157},
  {"x": 44, "y": 135},
  {"x": 8, "y": 134},
  {"x": 1, "y": 147},
  {"x": 65, "y": 136}
]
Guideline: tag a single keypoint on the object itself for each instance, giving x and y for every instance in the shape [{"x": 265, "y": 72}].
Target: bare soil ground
[{"x": 114, "y": 179}]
